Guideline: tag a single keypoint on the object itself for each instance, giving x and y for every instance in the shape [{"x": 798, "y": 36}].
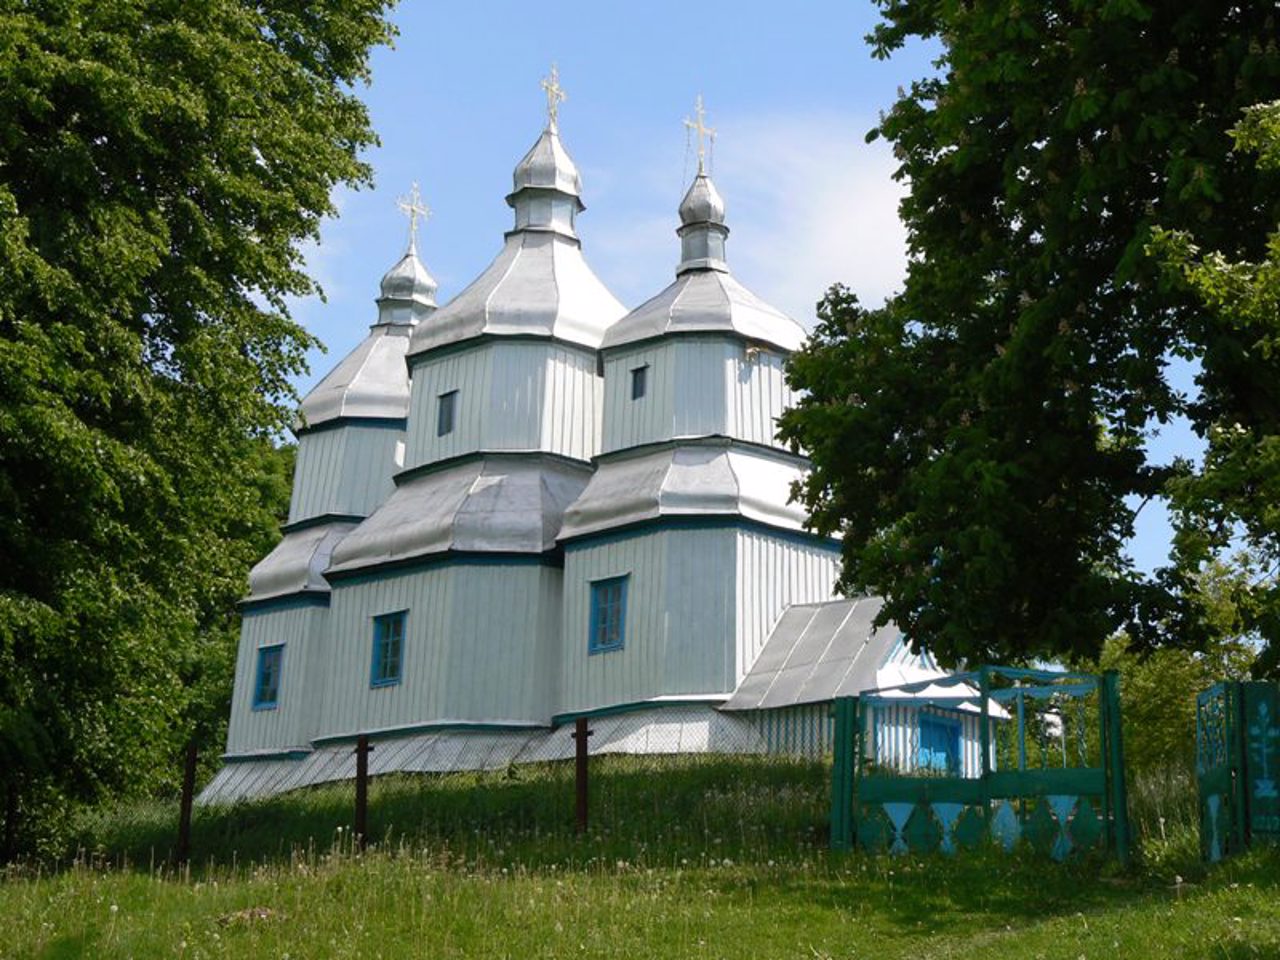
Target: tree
[
  {"x": 159, "y": 164},
  {"x": 979, "y": 443},
  {"x": 1236, "y": 494}
]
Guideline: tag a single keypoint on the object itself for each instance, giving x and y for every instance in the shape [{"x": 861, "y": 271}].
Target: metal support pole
[
  {"x": 362, "y": 792},
  {"x": 843, "y": 769},
  {"x": 1115, "y": 761},
  {"x": 183, "y": 851},
  {"x": 580, "y": 735}
]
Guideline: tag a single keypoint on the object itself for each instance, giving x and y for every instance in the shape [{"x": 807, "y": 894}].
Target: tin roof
[{"x": 816, "y": 652}]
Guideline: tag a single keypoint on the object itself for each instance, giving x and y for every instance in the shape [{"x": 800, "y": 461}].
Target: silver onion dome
[
  {"x": 702, "y": 203},
  {"x": 547, "y": 166},
  {"x": 408, "y": 280}
]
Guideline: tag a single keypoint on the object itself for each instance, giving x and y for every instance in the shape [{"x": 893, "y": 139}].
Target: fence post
[
  {"x": 1115, "y": 763},
  {"x": 183, "y": 852},
  {"x": 580, "y": 735},
  {"x": 362, "y": 791},
  {"x": 842, "y": 767}
]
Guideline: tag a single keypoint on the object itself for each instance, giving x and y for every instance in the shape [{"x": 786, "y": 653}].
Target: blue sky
[{"x": 791, "y": 90}]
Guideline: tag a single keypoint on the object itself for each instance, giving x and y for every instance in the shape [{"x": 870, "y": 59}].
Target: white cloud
[{"x": 815, "y": 205}]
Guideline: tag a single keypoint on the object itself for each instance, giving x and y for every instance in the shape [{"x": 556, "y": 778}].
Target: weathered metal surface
[
  {"x": 298, "y": 562},
  {"x": 697, "y": 479},
  {"x": 370, "y": 381},
  {"x": 493, "y": 504},
  {"x": 539, "y": 284},
  {"x": 817, "y": 652}
]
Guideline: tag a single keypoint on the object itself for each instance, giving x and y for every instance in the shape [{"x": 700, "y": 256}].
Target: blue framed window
[
  {"x": 639, "y": 382},
  {"x": 939, "y": 744},
  {"x": 388, "y": 649},
  {"x": 266, "y": 683},
  {"x": 446, "y": 412},
  {"x": 608, "y": 615}
]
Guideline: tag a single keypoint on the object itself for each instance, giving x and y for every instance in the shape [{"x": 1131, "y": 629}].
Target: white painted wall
[
  {"x": 343, "y": 470},
  {"x": 478, "y": 647},
  {"x": 697, "y": 386},
  {"x": 512, "y": 395},
  {"x": 893, "y": 737},
  {"x": 303, "y": 631},
  {"x": 679, "y": 626},
  {"x": 773, "y": 572}
]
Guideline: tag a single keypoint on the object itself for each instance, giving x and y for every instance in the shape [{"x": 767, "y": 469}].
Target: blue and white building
[{"x": 529, "y": 505}]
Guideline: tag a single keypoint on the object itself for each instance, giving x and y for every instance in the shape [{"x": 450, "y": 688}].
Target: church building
[{"x": 530, "y": 505}]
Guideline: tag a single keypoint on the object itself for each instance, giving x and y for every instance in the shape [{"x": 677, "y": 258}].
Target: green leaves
[
  {"x": 159, "y": 165},
  {"x": 980, "y": 442}
]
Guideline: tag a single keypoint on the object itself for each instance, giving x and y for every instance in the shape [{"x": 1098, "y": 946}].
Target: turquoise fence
[{"x": 1000, "y": 755}]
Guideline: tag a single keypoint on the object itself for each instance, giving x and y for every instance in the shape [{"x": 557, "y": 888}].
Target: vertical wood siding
[
  {"x": 801, "y": 731},
  {"x": 344, "y": 470},
  {"x": 679, "y": 623},
  {"x": 893, "y": 737},
  {"x": 758, "y": 393},
  {"x": 516, "y": 395},
  {"x": 697, "y": 387},
  {"x": 303, "y": 631},
  {"x": 774, "y": 572},
  {"x": 478, "y": 647}
]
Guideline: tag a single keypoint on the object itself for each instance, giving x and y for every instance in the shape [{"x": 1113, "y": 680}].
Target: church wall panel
[
  {"x": 772, "y": 572},
  {"x": 302, "y": 630},
  {"x": 572, "y": 406},
  {"x": 679, "y": 621},
  {"x": 757, "y": 394},
  {"x": 345, "y": 470},
  {"x": 627, "y": 422},
  {"x": 470, "y": 373},
  {"x": 700, "y": 387},
  {"x": 477, "y": 638}
]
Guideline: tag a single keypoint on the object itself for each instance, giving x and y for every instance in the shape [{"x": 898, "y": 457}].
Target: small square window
[
  {"x": 639, "y": 382},
  {"x": 266, "y": 685},
  {"x": 445, "y": 412},
  {"x": 388, "y": 649},
  {"x": 608, "y": 615}
]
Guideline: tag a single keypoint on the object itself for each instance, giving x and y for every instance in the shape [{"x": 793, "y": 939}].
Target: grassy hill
[{"x": 694, "y": 857}]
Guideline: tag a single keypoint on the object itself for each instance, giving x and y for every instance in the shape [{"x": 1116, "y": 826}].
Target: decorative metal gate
[
  {"x": 1238, "y": 766},
  {"x": 1039, "y": 761}
]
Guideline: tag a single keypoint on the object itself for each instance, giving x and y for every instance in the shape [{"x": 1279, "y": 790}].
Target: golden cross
[
  {"x": 413, "y": 208},
  {"x": 555, "y": 94},
  {"x": 704, "y": 132}
]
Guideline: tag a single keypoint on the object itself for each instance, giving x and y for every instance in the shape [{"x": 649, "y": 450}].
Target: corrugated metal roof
[{"x": 817, "y": 651}]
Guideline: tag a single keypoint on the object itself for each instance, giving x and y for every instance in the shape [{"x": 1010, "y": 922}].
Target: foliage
[
  {"x": 488, "y": 865},
  {"x": 1236, "y": 496},
  {"x": 159, "y": 163},
  {"x": 979, "y": 442}
]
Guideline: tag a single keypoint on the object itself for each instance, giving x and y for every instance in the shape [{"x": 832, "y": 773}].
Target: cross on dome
[
  {"x": 555, "y": 96},
  {"x": 413, "y": 208},
  {"x": 704, "y": 132}
]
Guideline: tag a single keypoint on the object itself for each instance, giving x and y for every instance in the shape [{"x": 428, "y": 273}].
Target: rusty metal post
[
  {"x": 580, "y": 734},
  {"x": 183, "y": 851},
  {"x": 362, "y": 791}
]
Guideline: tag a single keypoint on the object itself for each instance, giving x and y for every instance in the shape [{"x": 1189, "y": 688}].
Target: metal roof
[
  {"x": 370, "y": 381},
  {"x": 297, "y": 562},
  {"x": 817, "y": 651},
  {"x": 539, "y": 284},
  {"x": 501, "y": 503},
  {"x": 705, "y": 297},
  {"x": 687, "y": 480}
]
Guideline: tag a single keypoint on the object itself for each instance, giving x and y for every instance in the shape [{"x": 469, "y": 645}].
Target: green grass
[{"x": 697, "y": 857}]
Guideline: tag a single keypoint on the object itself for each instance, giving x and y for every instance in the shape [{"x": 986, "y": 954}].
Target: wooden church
[{"x": 530, "y": 505}]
